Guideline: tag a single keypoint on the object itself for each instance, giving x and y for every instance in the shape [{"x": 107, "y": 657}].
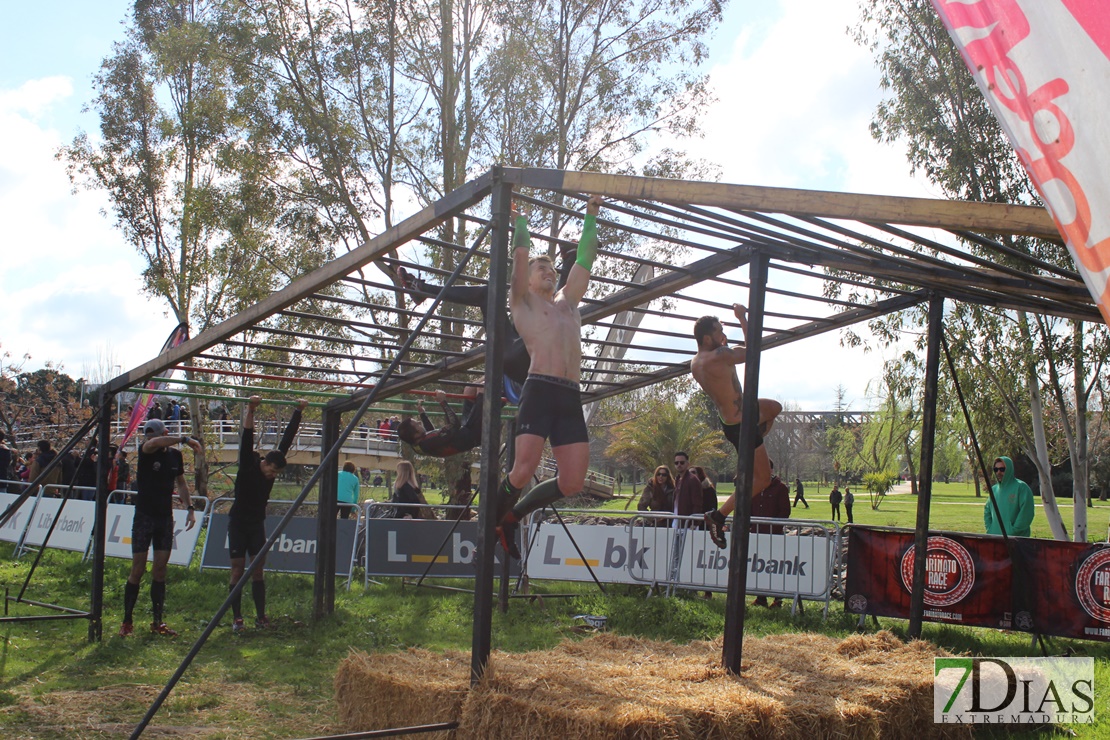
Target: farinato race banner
[
  {"x": 968, "y": 578},
  {"x": 1069, "y": 586},
  {"x": 1044, "y": 65}
]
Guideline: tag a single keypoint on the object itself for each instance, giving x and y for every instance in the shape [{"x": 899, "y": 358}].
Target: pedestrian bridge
[{"x": 366, "y": 447}]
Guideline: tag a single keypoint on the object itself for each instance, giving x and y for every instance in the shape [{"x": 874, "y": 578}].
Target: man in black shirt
[
  {"x": 7, "y": 472},
  {"x": 160, "y": 470},
  {"x": 246, "y": 526},
  {"x": 454, "y": 437}
]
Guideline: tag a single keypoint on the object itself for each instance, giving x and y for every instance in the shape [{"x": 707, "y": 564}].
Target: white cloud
[
  {"x": 794, "y": 103},
  {"x": 70, "y": 283}
]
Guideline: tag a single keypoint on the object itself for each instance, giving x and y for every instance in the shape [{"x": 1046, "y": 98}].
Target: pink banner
[
  {"x": 146, "y": 400},
  {"x": 1043, "y": 65}
]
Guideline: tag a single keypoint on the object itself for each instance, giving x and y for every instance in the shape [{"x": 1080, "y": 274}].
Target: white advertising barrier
[
  {"x": 607, "y": 550},
  {"x": 794, "y": 564},
  {"x": 122, "y": 516},
  {"x": 34, "y": 516},
  {"x": 785, "y": 557},
  {"x": 13, "y": 529}
]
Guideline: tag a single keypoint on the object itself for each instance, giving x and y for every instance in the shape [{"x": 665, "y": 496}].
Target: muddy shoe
[
  {"x": 160, "y": 628},
  {"x": 237, "y": 627},
  {"x": 411, "y": 284},
  {"x": 715, "y": 525},
  {"x": 126, "y": 629}
]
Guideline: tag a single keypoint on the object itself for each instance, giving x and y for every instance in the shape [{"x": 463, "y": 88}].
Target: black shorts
[
  {"x": 552, "y": 408},
  {"x": 147, "y": 530},
  {"x": 245, "y": 538},
  {"x": 732, "y": 434}
]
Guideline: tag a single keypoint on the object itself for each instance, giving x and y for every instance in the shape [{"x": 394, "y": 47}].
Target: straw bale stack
[{"x": 608, "y": 686}]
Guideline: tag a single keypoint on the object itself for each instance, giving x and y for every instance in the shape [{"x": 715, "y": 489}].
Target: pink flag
[
  {"x": 1044, "y": 67},
  {"x": 146, "y": 400}
]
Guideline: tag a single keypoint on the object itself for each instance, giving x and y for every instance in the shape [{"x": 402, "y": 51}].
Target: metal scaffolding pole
[
  {"x": 742, "y": 514},
  {"x": 490, "y": 479},
  {"x": 928, "y": 434},
  {"x": 323, "y": 589},
  {"x": 100, "y": 519}
]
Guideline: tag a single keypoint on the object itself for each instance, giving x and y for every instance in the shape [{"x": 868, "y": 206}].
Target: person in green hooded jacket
[{"x": 1015, "y": 501}]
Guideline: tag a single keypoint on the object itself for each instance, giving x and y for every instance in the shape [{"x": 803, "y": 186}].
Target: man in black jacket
[
  {"x": 246, "y": 526},
  {"x": 453, "y": 438}
]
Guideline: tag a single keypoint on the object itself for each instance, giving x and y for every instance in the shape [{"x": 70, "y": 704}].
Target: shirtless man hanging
[
  {"x": 548, "y": 321},
  {"x": 714, "y": 367}
]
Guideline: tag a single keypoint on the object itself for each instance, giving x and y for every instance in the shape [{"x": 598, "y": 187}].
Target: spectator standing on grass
[
  {"x": 23, "y": 470},
  {"x": 175, "y": 416},
  {"x": 688, "y": 498},
  {"x": 347, "y": 489},
  {"x": 849, "y": 499},
  {"x": 86, "y": 476},
  {"x": 799, "y": 493},
  {"x": 834, "y": 499},
  {"x": 45, "y": 455},
  {"x": 773, "y": 502},
  {"x": 658, "y": 494},
  {"x": 708, "y": 490},
  {"x": 406, "y": 490},
  {"x": 7, "y": 469},
  {"x": 1015, "y": 502}
]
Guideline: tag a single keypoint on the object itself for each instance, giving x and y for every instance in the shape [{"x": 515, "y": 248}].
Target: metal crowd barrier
[
  {"x": 386, "y": 510},
  {"x": 74, "y": 530},
  {"x": 787, "y": 558},
  {"x": 299, "y": 535}
]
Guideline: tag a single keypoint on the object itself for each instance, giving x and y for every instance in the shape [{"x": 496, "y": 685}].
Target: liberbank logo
[{"x": 1013, "y": 690}]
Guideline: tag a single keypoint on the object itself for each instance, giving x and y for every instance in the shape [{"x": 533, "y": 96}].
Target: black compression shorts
[
  {"x": 552, "y": 408},
  {"x": 149, "y": 530},
  {"x": 245, "y": 537},
  {"x": 732, "y": 434}
]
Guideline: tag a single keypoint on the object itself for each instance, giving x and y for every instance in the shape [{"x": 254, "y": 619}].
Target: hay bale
[
  {"x": 609, "y": 686},
  {"x": 416, "y": 687}
]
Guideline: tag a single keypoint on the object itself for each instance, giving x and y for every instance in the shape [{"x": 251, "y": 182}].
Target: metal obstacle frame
[{"x": 870, "y": 244}]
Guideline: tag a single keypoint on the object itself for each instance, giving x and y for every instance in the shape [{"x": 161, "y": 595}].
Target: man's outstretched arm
[
  {"x": 579, "y": 278},
  {"x": 291, "y": 429},
  {"x": 737, "y": 353},
  {"x": 522, "y": 245},
  {"x": 246, "y": 437}
]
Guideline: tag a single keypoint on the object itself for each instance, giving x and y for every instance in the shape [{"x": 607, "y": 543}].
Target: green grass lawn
[
  {"x": 954, "y": 508},
  {"x": 278, "y": 683}
]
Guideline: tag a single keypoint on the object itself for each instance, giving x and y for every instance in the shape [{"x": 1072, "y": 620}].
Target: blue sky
[{"x": 795, "y": 96}]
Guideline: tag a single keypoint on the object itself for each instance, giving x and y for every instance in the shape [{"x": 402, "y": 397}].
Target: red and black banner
[
  {"x": 1043, "y": 586},
  {"x": 968, "y": 579},
  {"x": 1069, "y": 587}
]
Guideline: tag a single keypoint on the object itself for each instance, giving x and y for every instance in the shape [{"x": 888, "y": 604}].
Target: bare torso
[
  {"x": 715, "y": 371},
  {"x": 552, "y": 332}
]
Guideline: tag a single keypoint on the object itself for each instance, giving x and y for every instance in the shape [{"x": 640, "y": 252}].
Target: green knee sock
[{"x": 542, "y": 495}]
